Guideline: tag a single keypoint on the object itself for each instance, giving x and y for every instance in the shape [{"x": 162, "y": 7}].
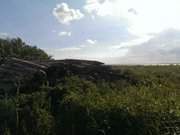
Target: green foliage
[
  {"x": 17, "y": 48},
  {"x": 7, "y": 116},
  {"x": 35, "y": 116},
  {"x": 131, "y": 111},
  {"x": 136, "y": 104}
]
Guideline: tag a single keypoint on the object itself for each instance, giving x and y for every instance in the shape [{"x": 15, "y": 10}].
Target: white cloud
[
  {"x": 162, "y": 48},
  {"x": 65, "y": 33},
  {"x": 98, "y": 7},
  {"x": 65, "y": 14},
  {"x": 134, "y": 42},
  {"x": 90, "y": 41},
  {"x": 68, "y": 49},
  {"x": 4, "y": 35},
  {"x": 98, "y": 52},
  {"x": 143, "y": 16}
]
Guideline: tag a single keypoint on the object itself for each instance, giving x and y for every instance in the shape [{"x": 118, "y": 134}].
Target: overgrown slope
[{"x": 77, "y": 97}]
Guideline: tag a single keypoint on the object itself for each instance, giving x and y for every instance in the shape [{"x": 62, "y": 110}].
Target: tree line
[{"x": 17, "y": 48}]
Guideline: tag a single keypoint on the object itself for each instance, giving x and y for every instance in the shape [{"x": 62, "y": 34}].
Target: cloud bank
[
  {"x": 143, "y": 16},
  {"x": 162, "y": 48},
  {"x": 155, "y": 25}
]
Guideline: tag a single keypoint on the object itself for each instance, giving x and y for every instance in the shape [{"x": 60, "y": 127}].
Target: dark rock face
[
  {"x": 15, "y": 72},
  {"x": 32, "y": 74},
  {"x": 90, "y": 70},
  {"x": 14, "y": 68}
]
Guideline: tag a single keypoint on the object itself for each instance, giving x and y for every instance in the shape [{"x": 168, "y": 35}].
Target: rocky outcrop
[
  {"x": 90, "y": 70},
  {"x": 31, "y": 73},
  {"x": 13, "y": 68},
  {"x": 15, "y": 72}
]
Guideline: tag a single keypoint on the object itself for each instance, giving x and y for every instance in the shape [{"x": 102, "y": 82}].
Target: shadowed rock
[
  {"x": 90, "y": 70},
  {"x": 32, "y": 73}
]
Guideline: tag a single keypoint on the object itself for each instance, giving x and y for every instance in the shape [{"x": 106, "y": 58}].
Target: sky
[{"x": 111, "y": 31}]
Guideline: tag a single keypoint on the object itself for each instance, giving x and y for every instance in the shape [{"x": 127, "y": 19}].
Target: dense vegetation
[
  {"x": 17, "y": 48},
  {"x": 140, "y": 102}
]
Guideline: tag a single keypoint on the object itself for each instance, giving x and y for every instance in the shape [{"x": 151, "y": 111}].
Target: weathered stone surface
[
  {"x": 90, "y": 70},
  {"x": 13, "y": 69}
]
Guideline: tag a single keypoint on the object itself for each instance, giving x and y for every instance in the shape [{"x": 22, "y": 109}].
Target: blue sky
[{"x": 107, "y": 30}]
